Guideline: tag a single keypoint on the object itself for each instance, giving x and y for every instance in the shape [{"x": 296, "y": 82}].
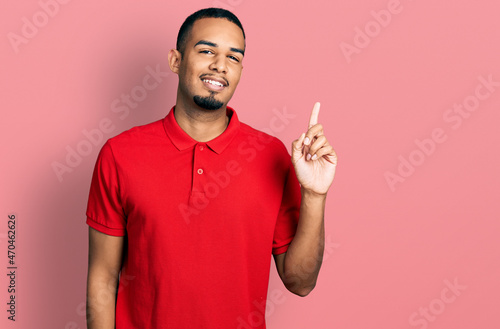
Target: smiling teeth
[{"x": 215, "y": 83}]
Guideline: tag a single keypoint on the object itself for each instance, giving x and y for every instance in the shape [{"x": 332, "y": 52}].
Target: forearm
[
  {"x": 305, "y": 254},
  {"x": 101, "y": 300}
]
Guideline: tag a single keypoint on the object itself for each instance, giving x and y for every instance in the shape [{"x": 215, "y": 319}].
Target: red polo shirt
[{"x": 201, "y": 221}]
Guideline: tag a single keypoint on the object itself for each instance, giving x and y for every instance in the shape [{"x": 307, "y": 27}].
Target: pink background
[{"x": 393, "y": 249}]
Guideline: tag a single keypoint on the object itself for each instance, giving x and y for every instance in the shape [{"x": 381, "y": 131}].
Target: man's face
[{"x": 210, "y": 68}]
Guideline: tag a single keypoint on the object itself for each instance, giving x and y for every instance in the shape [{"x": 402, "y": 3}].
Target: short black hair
[{"x": 187, "y": 26}]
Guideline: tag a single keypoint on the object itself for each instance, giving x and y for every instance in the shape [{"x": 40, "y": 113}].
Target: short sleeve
[
  {"x": 104, "y": 209},
  {"x": 288, "y": 216}
]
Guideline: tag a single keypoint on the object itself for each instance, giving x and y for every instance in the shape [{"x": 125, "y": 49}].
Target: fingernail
[
  {"x": 314, "y": 157},
  {"x": 308, "y": 157},
  {"x": 306, "y": 141}
]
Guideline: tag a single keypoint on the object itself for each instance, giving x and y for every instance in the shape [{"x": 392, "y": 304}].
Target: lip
[{"x": 221, "y": 80}]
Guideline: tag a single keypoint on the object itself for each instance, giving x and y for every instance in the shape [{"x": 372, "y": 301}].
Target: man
[{"x": 189, "y": 208}]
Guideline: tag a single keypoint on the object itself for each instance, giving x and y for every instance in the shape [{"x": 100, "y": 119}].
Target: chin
[{"x": 208, "y": 102}]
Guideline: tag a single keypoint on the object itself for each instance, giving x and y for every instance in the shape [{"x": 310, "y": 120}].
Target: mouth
[{"x": 214, "y": 84}]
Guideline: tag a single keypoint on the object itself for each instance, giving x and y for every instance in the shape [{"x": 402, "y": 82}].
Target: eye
[
  {"x": 206, "y": 52},
  {"x": 234, "y": 58}
]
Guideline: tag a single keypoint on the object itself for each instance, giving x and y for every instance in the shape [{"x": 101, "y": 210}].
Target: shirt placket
[{"x": 197, "y": 196}]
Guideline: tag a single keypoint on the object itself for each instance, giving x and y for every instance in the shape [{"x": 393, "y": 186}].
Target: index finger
[{"x": 314, "y": 115}]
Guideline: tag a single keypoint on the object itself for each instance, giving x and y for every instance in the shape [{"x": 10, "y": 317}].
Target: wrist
[{"x": 307, "y": 193}]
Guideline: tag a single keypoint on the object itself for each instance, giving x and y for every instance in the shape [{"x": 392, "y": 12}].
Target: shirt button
[
  {"x": 202, "y": 147},
  {"x": 200, "y": 171}
]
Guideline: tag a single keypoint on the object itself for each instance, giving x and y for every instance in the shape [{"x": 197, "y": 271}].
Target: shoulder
[
  {"x": 137, "y": 135},
  {"x": 271, "y": 143}
]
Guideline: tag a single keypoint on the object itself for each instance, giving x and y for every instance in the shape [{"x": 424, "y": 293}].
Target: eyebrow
[{"x": 211, "y": 44}]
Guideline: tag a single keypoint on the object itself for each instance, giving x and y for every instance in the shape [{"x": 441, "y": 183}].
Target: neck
[{"x": 201, "y": 125}]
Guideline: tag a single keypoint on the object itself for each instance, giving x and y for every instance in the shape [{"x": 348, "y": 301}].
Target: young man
[{"x": 188, "y": 209}]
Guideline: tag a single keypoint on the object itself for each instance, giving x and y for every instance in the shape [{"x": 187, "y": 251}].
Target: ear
[{"x": 174, "y": 60}]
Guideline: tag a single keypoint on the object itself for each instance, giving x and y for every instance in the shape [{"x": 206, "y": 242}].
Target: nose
[{"x": 219, "y": 64}]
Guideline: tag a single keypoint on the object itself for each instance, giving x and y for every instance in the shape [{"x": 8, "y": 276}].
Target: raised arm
[
  {"x": 105, "y": 260},
  {"x": 315, "y": 161}
]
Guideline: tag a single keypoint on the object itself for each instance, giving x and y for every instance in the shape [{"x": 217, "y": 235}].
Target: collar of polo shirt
[{"x": 183, "y": 141}]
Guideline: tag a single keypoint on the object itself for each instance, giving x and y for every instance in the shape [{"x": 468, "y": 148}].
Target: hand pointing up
[{"x": 314, "y": 159}]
